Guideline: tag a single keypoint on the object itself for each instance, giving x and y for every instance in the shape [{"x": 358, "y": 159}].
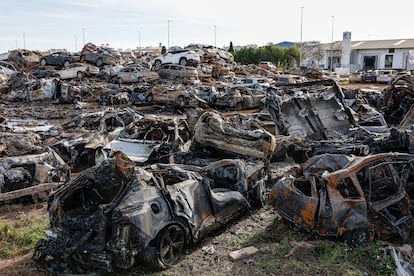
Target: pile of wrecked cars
[
  {"x": 159, "y": 168},
  {"x": 121, "y": 213}
]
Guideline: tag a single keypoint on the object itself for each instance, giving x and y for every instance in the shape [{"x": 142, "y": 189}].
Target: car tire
[
  {"x": 259, "y": 195},
  {"x": 358, "y": 237},
  {"x": 181, "y": 101},
  {"x": 43, "y": 62},
  {"x": 239, "y": 106},
  {"x": 79, "y": 75},
  {"x": 157, "y": 65},
  {"x": 149, "y": 98},
  {"x": 168, "y": 248},
  {"x": 66, "y": 63},
  {"x": 183, "y": 61},
  {"x": 99, "y": 62}
]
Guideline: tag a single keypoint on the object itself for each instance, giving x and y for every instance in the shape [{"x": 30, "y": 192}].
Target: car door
[
  {"x": 53, "y": 59},
  {"x": 388, "y": 200},
  {"x": 297, "y": 200},
  {"x": 127, "y": 75},
  {"x": 65, "y": 73}
]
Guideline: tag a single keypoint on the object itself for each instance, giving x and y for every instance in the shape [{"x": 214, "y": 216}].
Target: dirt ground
[{"x": 210, "y": 257}]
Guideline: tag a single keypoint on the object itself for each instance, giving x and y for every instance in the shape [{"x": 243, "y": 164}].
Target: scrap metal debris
[{"x": 185, "y": 168}]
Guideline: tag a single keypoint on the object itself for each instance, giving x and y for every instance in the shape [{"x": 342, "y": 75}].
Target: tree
[
  {"x": 231, "y": 50},
  {"x": 282, "y": 57}
]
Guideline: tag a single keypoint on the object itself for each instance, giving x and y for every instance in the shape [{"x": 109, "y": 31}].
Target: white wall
[{"x": 398, "y": 57}]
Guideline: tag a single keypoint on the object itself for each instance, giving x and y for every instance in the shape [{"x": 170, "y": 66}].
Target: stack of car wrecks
[{"x": 160, "y": 165}]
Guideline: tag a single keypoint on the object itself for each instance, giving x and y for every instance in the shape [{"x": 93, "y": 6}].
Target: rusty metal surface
[{"x": 350, "y": 193}]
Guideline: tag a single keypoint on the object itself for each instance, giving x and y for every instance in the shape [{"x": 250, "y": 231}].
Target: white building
[{"x": 369, "y": 54}]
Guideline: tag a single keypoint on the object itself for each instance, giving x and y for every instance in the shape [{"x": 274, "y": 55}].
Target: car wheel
[
  {"x": 43, "y": 62},
  {"x": 168, "y": 248},
  {"x": 359, "y": 237},
  {"x": 183, "y": 61},
  {"x": 259, "y": 195},
  {"x": 239, "y": 106},
  {"x": 157, "y": 65},
  {"x": 79, "y": 75},
  {"x": 149, "y": 98},
  {"x": 181, "y": 101},
  {"x": 99, "y": 62},
  {"x": 66, "y": 63}
]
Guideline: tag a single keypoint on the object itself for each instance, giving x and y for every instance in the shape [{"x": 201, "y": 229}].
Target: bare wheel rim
[
  {"x": 171, "y": 244},
  {"x": 181, "y": 101},
  {"x": 157, "y": 64},
  {"x": 261, "y": 193}
]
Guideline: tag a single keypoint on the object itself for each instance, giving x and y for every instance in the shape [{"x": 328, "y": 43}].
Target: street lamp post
[
  {"x": 301, "y": 31},
  {"x": 24, "y": 40},
  {"x": 215, "y": 36},
  {"x": 139, "y": 39},
  {"x": 332, "y": 69},
  {"x": 168, "y": 35}
]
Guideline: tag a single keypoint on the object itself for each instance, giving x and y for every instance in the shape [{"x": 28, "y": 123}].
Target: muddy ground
[{"x": 209, "y": 257}]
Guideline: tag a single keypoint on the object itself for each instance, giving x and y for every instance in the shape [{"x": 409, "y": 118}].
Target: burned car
[
  {"x": 311, "y": 110},
  {"x": 31, "y": 175},
  {"x": 173, "y": 95},
  {"x": 214, "y": 133},
  {"x": 135, "y": 74},
  {"x": 116, "y": 215},
  {"x": 240, "y": 98},
  {"x": 353, "y": 197}
]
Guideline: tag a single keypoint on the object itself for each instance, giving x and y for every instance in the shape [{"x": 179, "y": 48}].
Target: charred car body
[
  {"x": 353, "y": 197},
  {"x": 119, "y": 215}
]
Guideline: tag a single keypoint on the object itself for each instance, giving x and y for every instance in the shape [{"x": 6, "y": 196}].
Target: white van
[{"x": 386, "y": 76}]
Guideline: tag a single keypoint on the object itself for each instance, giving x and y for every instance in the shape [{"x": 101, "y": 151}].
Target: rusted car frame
[{"x": 352, "y": 197}]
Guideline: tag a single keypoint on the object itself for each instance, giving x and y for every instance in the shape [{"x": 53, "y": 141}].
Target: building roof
[
  {"x": 286, "y": 44},
  {"x": 383, "y": 44}
]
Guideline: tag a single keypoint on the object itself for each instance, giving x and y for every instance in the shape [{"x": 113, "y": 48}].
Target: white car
[
  {"x": 386, "y": 76},
  {"x": 182, "y": 57},
  {"x": 250, "y": 82},
  {"x": 7, "y": 68},
  {"x": 77, "y": 70}
]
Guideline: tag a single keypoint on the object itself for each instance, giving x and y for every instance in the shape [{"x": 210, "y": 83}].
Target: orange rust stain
[
  {"x": 286, "y": 192},
  {"x": 308, "y": 214}
]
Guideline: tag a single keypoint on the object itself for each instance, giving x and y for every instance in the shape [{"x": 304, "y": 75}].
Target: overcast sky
[{"x": 45, "y": 24}]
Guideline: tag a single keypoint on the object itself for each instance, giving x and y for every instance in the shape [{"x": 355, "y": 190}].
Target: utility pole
[
  {"x": 24, "y": 40},
  {"x": 333, "y": 18},
  {"x": 139, "y": 39},
  {"x": 301, "y": 31},
  {"x": 83, "y": 36},
  {"x": 215, "y": 36},
  {"x": 168, "y": 35}
]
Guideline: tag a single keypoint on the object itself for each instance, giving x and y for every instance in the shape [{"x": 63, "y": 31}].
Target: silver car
[{"x": 77, "y": 70}]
